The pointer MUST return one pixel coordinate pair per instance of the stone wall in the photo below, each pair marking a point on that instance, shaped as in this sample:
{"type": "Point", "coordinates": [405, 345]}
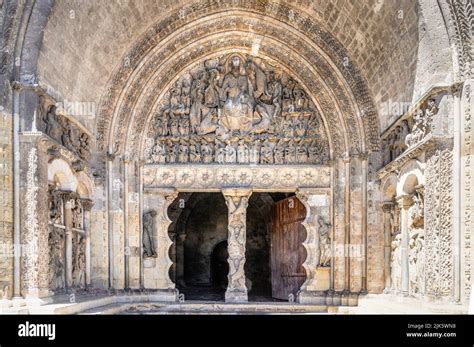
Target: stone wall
{"type": "Point", "coordinates": [379, 36]}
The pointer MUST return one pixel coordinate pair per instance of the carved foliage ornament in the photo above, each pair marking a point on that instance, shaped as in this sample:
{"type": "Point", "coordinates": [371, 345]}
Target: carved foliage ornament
{"type": "Point", "coordinates": [236, 109]}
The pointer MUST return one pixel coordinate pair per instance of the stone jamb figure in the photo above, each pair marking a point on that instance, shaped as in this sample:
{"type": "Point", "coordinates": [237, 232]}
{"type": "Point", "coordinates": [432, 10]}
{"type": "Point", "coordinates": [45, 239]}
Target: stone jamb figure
{"type": "Point", "coordinates": [149, 250]}
{"type": "Point", "coordinates": [324, 242]}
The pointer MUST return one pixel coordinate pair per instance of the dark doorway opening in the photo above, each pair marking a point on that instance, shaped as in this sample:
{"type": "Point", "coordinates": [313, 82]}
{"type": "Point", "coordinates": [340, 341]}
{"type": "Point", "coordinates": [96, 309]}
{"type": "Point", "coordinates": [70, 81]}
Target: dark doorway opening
{"type": "Point", "coordinates": [219, 265]}
{"type": "Point", "coordinates": [203, 258]}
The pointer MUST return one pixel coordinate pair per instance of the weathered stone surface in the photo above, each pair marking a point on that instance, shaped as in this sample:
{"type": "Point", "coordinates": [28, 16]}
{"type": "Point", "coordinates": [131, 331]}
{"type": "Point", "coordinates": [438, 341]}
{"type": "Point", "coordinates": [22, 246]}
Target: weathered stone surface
{"type": "Point", "coordinates": [363, 109]}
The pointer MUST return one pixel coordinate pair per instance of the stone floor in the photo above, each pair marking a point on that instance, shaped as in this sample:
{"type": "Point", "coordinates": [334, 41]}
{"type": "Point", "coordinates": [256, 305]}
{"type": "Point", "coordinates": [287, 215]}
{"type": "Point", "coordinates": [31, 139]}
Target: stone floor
{"type": "Point", "coordinates": [217, 294]}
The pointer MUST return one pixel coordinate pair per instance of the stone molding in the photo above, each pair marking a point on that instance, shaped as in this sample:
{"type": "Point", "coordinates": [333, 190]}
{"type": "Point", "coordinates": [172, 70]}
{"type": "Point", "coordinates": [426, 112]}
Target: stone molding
{"type": "Point", "coordinates": [206, 177]}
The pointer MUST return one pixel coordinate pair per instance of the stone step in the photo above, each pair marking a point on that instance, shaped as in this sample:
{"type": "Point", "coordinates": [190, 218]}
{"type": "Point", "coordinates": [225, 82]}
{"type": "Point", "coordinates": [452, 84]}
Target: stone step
{"type": "Point", "coordinates": [207, 308]}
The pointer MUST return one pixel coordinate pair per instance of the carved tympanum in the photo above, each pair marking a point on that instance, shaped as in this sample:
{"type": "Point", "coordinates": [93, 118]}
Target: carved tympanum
{"type": "Point", "coordinates": [237, 110]}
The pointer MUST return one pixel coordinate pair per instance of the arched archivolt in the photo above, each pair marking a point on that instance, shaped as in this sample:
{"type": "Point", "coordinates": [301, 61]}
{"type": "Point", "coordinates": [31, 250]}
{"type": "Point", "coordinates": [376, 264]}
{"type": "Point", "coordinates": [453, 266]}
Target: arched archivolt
{"type": "Point", "coordinates": [60, 172]}
{"type": "Point", "coordinates": [85, 187]}
{"type": "Point", "coordinates": [389, 187]}
{"type": "Point", "coordinates": [321, 62]}
{"type": "Point", "coordinates": [411, 175]}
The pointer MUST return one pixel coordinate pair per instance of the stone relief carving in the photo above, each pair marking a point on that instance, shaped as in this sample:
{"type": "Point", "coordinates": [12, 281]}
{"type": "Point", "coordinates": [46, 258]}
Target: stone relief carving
{"type": "Point", "coordinates": [55, 205]}
{"type": "Point", "coordinates": [396, 262]}
{"type": "Point", "coordinates": [236, 110]}
{"type": "Point", "coordinates": [409, 132]}
{"type": "Point", "coordinates": [202, 177]}
{"type": "Point", "coordinates": [56, 258]}
{"type": "Point", "coordinates": [416, 261]}
{"type": "Point", "coordinates": [394, 218]}
{"type": "Point", "coordinates": [237, 210]}
{"type": "Point", "coordinates": [77, 212]}
{"type": "Point", "coordinates": [64, 132]}
{"type": "Point", "coordinates": [149, 249]}
{"type": "Point", "coordinates": [78, 259]}
{"type": "Point", "coordinates": [56, 239]}
{"type": "Point", "coordinates": [324, 229]}
{"type": "Point", "coordinates": [31, 234]}
{"type": "Point", "coordinates": [438, 223]}
{"type": "Point", "coordinates": [417, 210]}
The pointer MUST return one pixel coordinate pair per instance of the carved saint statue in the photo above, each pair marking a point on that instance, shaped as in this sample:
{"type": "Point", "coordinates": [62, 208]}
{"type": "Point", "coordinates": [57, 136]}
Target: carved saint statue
{"type": "Point", "coordinates": [415, 261]}
{"type": "Point", "coordinates": [324, 242]}
{"type": "Point", "coordinates": [396, 262]}
{"type": "Point", "coordinates": [55, 204]}
{"type": "Point", "coordinates": [56, 258]}
{"type": "Point", "coordinates": [79, 261]}
{"type": "Point", "coordinates": [149, 249]}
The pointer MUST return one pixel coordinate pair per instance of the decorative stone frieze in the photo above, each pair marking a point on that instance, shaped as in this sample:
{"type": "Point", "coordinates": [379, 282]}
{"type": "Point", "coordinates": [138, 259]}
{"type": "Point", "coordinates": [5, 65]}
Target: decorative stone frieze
{"type": "Point", "coordinates": [194, 177]}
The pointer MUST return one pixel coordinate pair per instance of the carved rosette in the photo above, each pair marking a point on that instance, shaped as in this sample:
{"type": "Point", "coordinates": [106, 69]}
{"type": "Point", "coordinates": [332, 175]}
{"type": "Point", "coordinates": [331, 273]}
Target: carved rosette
{"type": "Point", "coordinates": [213, 176]}
{"type": "Point", "coordinates": [237, 202]}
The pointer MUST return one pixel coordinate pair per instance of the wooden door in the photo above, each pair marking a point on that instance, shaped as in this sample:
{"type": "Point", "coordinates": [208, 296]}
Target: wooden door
{"type": "Point", "coordinates": [287, 251]}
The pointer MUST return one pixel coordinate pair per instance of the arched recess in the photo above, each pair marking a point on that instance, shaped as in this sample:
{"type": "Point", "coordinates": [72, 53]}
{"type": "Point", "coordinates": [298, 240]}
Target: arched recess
{"type": "Point", "coordinates": [389, 187]}
{"type": "Point", "coordinates": [410, 176]}
{"type": "Point", "coordinates": [312, 57]}
{"type": "Point", "coordinates": [135, 87]}
{"type": "Point", "coordinates": [60, 172]}
{"type": "Point", "coordinates": [85, 187]}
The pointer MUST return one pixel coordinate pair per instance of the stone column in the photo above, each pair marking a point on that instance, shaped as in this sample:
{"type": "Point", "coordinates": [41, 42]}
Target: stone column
{"type": "Point", "coordinates": [387, 208]}
{"type": "Point", "coordinates": [68, 239]}
{"type": "Point", "coordinates": [317, 216]}
{"type": "Point", "coordinates": [180, 260]}
{"type": "Point", "coordinates": [404, 201]}
{"type": "Point", "coordinates": [237, 202]}
{"type": "Point", "coordinates": [86, 207]}
{"type": "Point", "coordinates": [34, 212]}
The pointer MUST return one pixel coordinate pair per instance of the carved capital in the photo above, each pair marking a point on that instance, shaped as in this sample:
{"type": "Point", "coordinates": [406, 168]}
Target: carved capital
{"type": "Point", "coordinates": [362, 156]}
{"type": "Point", "coordinates": [404, 201]}
{"type": "Point", "coordinates": [53, 153]}
{"type": "Point", "coordinates": [69, 197]}
{"type": "Point", "coordinates": [387, 206]}
{"type": "Point", "coordinates": [171, 196]}
{"type": "Point", "coordinates": [111, 156]}
{"type": "Point", "coordinates": [127, 158]}
{"type": "Point", "coordinates": [87, 204]}
{"type": "Point", "coordinates": [78, 165]}
{"type": "Point", "coordinates": [346, 158]}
